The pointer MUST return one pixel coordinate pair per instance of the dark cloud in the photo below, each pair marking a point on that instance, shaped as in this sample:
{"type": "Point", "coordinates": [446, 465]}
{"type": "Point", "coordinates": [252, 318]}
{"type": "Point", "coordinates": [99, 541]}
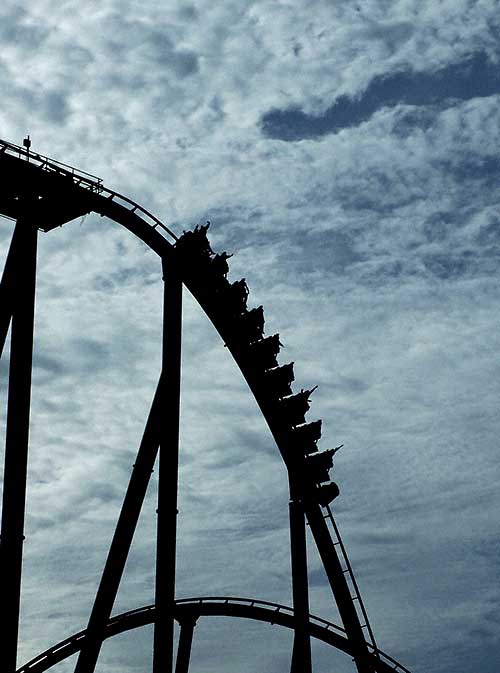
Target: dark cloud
{"type": "Point", "coordinates": [393, 34]}
{"type": "Point", "coordinates": [478, 76]}
{"type": "Point", "coordinates": [56, 107]}
{"type": "Point", "coordinates": [439, 225]}
{"type": "Point", "coordinates": [327, 251]}
{"type": "Point", "coordinates": [121, 277]}
{"type": "Point", "coordinates": [482, 168]}
{"type": "Point", "coordinates": [46, 367]}
{"type": "Point", "coordinates": [17, 27]}
{"type": "Point", "coordinates": [88, 355]}
{"type": "Point", "coordinates": [188, 12]}
{"type": "Point", "coordinates": [409, 119]}
{"type": "Point", "coordinates": [447, 267]}
{"type": "Point", "coordinates": [354, 386]}
{"type": "Point", "coordinates": [489, 232]}
{"type": "Point", "coordinates": [51, 105]}
{"type": "Point", "coordinates": [182, 61]}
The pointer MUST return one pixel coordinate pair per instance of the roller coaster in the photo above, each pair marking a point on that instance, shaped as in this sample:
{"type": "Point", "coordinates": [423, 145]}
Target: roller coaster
{"type": "Point", "coordinates": [41, 194]}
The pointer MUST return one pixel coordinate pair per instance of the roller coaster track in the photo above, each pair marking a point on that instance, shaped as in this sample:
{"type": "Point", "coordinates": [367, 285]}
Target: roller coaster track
{"type": "Point", "coordinates": [40, 193]}
{"type": "Point", "coordinates": [81, 179]}
{"type": "Point", "coordinates": [192, 609]}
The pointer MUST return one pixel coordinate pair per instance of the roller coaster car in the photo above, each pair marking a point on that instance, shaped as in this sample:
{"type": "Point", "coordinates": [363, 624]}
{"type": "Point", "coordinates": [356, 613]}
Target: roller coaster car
{"type": "Point", "coordinates": [293, 409]}
{"type": "Point", "coordinates": [303, 438]}
{"type": "Point", "coordinates": [231, 300]}
{"type": "Point", "coordinates": [327, 493]}
{"type": "Point", "coordinates": [265, 352]}
{"type": "Point", "coordinates": [238, 292]}
{"type": "Point", "coordinates": [251, 324]}
{"type": "Point", "coordinates": [219, 265]}
{"type": "Point", "coordinates": [278, 381]}
{"type": "Point", "coordinates": [195, 243]}
{"type": "Point", "coordinates": [319, 464]}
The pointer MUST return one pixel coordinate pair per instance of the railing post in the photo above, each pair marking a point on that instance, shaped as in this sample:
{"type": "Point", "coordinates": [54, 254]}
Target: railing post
{"type": "Point", "coordinates": [21, 284]}
{"type": "Point", "coordinates": [168, 473]}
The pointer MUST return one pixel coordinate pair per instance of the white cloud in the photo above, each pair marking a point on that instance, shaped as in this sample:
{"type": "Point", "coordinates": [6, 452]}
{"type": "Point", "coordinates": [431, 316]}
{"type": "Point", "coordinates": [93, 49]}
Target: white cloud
{"type": "Point", "coordinates": [375, 254]}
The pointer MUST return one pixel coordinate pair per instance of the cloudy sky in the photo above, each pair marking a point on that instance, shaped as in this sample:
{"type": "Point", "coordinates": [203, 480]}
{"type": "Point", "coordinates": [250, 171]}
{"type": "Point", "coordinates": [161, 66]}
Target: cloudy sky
{"type": "Point", "coordinates": [347, 154]}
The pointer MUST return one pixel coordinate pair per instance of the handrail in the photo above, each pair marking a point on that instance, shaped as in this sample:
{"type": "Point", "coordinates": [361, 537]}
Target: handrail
{"type": "Point", "coordinates": [137, 207]}
{"type": "Point", "coordinates": [235, 600]}
{"type": "Point", "coordinates": [46, 161]}
{"type": "Point", "coordinates": [83, 179]}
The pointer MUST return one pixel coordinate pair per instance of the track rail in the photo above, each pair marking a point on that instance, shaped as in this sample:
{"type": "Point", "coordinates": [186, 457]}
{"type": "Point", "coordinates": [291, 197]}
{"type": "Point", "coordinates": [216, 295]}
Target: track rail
{"type": "Point", "coordinates": [210, 606]}
{"type": "Point", "coordinates": [83, 180]}
{"type": "Point", "coordinates": [210, 290]}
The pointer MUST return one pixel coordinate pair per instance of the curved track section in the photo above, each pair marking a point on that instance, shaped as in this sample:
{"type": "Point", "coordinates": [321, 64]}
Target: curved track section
{"type": "Point", "coordinates": [52, 194]}
{"type": "Point", "coordinates": [210, 606]}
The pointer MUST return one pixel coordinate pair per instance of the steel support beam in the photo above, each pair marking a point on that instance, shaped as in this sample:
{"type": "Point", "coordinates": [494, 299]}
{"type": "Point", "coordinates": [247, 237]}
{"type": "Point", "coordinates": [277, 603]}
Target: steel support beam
{"type": "Point", "coordinates": [340, 589]}
{"type": "Point", "coordinates": [185, 645]}
{"type": "Point", "coordinates": [168, 474]}
{"type": "Point", "coordinates": [21, 288]}
{"type": "Point", "coordinates": [301, 653]}
{"type": "Point", "coordinates": [7, 284]}
{"type": "Point", "coordinates": [124, 532]}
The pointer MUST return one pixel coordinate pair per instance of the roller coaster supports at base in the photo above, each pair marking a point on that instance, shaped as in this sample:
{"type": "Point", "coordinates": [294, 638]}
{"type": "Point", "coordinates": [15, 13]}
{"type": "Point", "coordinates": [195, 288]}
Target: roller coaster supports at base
{"type": "Point", "coordinates": [122, 538]}
{"type": "Point", "coordinates": [364, 661]}
{"type": "Point", "coordinates": [301, 653]}
{"type": "Point", "coordinates": [185, 643]}
{"type": "Point", "coordinates": [163, 639]}
{"type": "Point", "coordinates": [20, 278]}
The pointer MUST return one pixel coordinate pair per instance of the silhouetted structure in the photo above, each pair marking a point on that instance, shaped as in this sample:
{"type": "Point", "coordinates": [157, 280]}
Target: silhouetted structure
{"type": "Point", "coordinates": [41, 194]}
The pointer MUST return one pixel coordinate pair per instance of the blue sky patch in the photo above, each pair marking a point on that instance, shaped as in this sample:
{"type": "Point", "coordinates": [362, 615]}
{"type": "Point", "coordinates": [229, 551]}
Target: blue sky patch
{"type": "Point", "coordinates": [477, 77]}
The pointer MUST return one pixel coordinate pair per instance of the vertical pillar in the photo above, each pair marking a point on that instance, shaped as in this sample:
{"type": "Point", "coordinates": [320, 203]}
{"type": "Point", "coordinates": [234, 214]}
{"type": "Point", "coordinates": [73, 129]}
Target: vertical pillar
{"type": "Point", "coordinates": [301, 653]}
{"type": "Point", "coordinates": [185, 644]}
{"type": "Point", "coordinates": [17, 435]}
{"type": "Point", "coordinates": [168, 473]}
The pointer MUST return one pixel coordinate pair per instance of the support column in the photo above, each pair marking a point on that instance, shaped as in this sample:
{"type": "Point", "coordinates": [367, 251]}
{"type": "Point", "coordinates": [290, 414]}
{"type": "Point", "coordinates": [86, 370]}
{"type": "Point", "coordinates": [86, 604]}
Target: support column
{"type": "Point", "coordinates": [365, 662]}
{"type": "Point", "coordinates": [301, 654]}
{"type": "Point", "coordinates": [168, 474]}
{"type": "Point", "coordinates": [122, 538]}
{"type": "Point", "coordinates": [23, 261]}
{"type": "Point", "coordinates": [185, 644]}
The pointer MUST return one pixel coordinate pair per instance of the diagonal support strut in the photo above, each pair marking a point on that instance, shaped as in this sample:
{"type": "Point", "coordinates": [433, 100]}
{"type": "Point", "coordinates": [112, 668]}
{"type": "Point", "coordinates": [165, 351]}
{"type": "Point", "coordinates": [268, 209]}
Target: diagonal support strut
{"type": "Point", "coordinates": [162, 430]}
{"type": "Point", "coordinates": [363, 660]}
{"type": "Point", "coordinates": [124, 532]}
